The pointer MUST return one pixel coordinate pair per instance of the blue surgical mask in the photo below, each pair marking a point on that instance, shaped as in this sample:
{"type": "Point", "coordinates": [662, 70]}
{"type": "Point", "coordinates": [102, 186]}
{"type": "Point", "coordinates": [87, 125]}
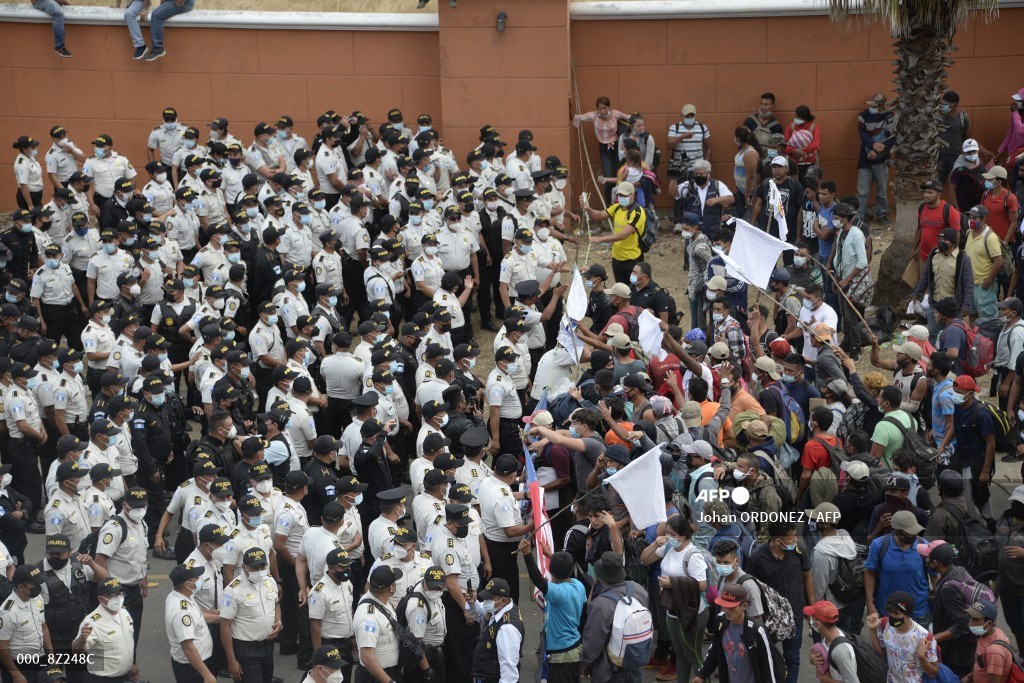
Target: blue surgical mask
{"type": "Point", "coordinates": [525, 248]}
{"type": "Point", "coordinates": [788, 379]}
{"type": "Point", "coordinates": [444, 420]}
{"type": "Point", "coordinates": [114, 440]}
{"type": "Point", "coordinates": [82, 232]}
{"type": "Point", "coordinates": [106, 319]}
{"type": "Point", "coordinates": [977, 630]}
{"type": "Point", "coordinates": [415, 220]}
{"type": "Point", "coordinates": [589, 284]}
{"type": "Point", "coordinates": [808, 304]}
{"type": "Point", "coordinates": [611, 470]}
{"type": "Point", "coordinates": [282, 135]}
{"type": "Point", "coordinates": [484, 165]}
{"type": "Point", "coordinates": [162, 357]}
{"type": "Point", "coordinates": [234, 257]}
{"type": "Point", "coordinates": [129, 241]}
{"type": "Point", "coordinates": [633, 279]}
{"type": "Point", "coordinates": [358, 499]}
{"type": "Point", "coordinates": [512, 368]}
{"type": "Point", "coordinates": [991, 184]}
{"type": "Point", "coordinates": [272, 319]}
{"type": "Point", "coordinates": [957, 399]}
{"type": "Point", "coordinates": [799, 261]}
{"type": "Point", "coordinates": [188, 144]}
{"type": "Point", "coordinates": [488, 606]}
{"type": "Point", "coordinates": [100, 152]}
{"type": "Point", "coordinates": [320, 205]}
{"type": "Point", "coordinates": [332, 301]}
{"type": "Point", "coordinates": [110, 248]}
{"type": "Point", "coordinates": [25, 227]}
{"type": "Point", "coordinates": [672, 543]}
{"type": "Point", "coordinates": [428, 204]}
{"type": "Point", "coordinates": [189, 282]}
{"type": "Point", "coordinates": [305, 218]}
{"type": "Point", "coordinates": [573, 433]}
{"type": "Point", "coordinates": [724, 569]}
{"type": "Point", "coordinates": [170, 125]}
{"type": "Point", "coordinates": [147, 218]}
{"type": "Point", "coordinates": [689, 120]}
{"type": "Point", "coordinates": [33, 382]}
{"type": "Point", "coordinates": [301, 287]}
{"type": "Point", "coordinates": [718, 317]}
{"type": "Point", "coordinates": [624, 201]}
{"type": "Point", "coordinates": [158, 399]}
{"type": "Point", "coordinates": [256, 520]}
{"type": "Point", "coordinates": [389, 389]}
{"type": "Point", "coordinates": [11, 299]}
{"type": "Point", "coordinates": [53, 263]}
{"type": "Point", "coordinates": [945, 108]}
{"type": "Point", "coordinates": [252, 212]}
{"type": "Point", "coordinates": [790, 547]}
{"type": "Point", "coordinates": [229, 335]}
{"type": "Point", "coordinates": [244, 373]}
{"type": "Point", "coordinates": [472, 363]}
{"type": "Point", "coordinates": [79, 367]}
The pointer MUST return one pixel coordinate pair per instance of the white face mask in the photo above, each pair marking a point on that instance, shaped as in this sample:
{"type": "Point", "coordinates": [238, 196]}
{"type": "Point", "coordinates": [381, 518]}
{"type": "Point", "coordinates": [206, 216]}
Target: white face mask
{"type": "Point", "coordinates": [336, 676]}
{"type": "Point", "coordinates": [265, 486]}
{"type": "Point", "coordinates": [115, 604]}
{"type": "Point", "coordinates": [160, 177]}
{"type": "Point", "coordinates": [560, 184]}
{"type": "Point", "coordinates": [223, 505]}
{"type": "Point", "coordinates": [137, 514]}
{"type": "Point", "coordinates": [257, 576]}
{"type": "Point", "coordinates": [232, 433]}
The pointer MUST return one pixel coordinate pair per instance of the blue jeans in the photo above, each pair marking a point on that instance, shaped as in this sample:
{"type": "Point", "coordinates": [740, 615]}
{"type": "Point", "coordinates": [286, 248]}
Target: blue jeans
{"type": "Point", "coordinates": [157, 17]}
{"type": "Point", "coordinates": [57, 15]}
{"type": "Point", "coordinates": [984, 304]}
{"type": "Point", "coordinates": [791, 652]}
{"type": "Point", "coordinates": [879, 174]}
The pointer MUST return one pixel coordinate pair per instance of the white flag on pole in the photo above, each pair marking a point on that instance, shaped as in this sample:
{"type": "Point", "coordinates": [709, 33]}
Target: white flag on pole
{"type": "Point", "coordinates": [778, 208]}
{"type": "Point", "coordinates": [576, 299]}
{"type": "Point", "coordinates": [753, 254]}
{"type": "Point", "coordinates": [634, 484]}
{"type": "Point", "coordinates": [650, 335]}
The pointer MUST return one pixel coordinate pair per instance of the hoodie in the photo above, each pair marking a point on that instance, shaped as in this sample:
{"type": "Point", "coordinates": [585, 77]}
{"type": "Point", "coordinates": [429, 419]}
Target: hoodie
{"type": "Point", "coordinates": [825, 563]}
{"type": "Point", "coordinates": [1014, 139]}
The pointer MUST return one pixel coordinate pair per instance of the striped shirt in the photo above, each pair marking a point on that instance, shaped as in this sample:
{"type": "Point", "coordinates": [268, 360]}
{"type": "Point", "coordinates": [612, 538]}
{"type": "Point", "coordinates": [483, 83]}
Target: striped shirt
{"type": "Point", "coordinates": [689, 148]}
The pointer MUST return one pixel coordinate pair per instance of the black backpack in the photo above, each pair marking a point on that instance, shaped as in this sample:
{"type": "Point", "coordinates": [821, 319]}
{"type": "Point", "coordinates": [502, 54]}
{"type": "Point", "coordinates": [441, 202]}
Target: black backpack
{"type": "Point", "coordinates": [977, 549]}
{"type": "Point", "coordinates": [404, 603]}
{"type": "Point", "coordinates": [964, 226]}
{"type": "Point", "coordinates": [925, 456]}
{"type": "Point", "coordinates": [91, 542]}
{"type": "Point", "coordinates": [870, 667]}
{"type": "Point", "coordinates": [849, 582]}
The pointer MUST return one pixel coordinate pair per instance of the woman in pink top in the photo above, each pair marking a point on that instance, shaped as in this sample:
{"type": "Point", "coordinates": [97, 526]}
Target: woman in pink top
{"type": "Point", "coordinates": [803, 140]}
{"type": "Point", "coordinates": [606, 124]}
{"type": "Point", "coordinates": [1013, 143]}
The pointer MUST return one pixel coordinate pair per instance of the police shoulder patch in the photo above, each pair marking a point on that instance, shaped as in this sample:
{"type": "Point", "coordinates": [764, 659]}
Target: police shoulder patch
{"type": "Point", "coordinates": [95, 617]}
{"type": "Point", "coordinates": [183, 604]}
{"type": "Point", "coordinates": [186, 620]}
{"type": "Point", "coordinates": [234, 583]}
{"type": "Point", "coordinates": [451, 542]}
{"type": "Point", "coordinates": [234, 533]}
{"type": "Point", "coordinates": [108, 537]}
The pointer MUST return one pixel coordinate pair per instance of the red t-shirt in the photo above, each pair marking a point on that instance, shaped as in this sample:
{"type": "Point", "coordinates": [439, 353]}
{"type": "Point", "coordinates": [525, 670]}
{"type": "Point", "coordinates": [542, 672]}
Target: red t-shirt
{"type": "Point", "coordinates": [999, 208]}
{"type": "Point", "coordinates": [815, 456]}
{"type": "Point", "coordinates": [932, 224]}
{"type": "Point", "coordinates": [657, 369]}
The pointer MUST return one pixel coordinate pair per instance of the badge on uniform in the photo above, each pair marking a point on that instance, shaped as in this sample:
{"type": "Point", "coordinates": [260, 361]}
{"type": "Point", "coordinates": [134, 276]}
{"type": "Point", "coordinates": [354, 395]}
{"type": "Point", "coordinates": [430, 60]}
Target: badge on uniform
{"type": "Point", "coordinates": [370, 628]}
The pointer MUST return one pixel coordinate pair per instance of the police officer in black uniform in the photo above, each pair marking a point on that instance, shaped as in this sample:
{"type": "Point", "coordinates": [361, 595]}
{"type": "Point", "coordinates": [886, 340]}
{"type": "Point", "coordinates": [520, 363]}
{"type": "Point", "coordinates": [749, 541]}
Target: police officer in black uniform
{"type": "Point", "coordinates": [26, 349]}
{"type": "Point", "coordinates": [174, 311]}
{"type": "Point", "coordinates": [237, 376]}
{"type": "Point", "coordinates": [322, 475]}
{"type": "Point", "coordinates": [18, 513]}
{"type": "Point", "coordinates": [472, 387]}
{"type": "Point", "coordinates": [112, 382]}
{"type": "Point", "coordinates": [488, 659]}
{"type": "Point", "coordinates": [24, 258]}
{"type": "Point", "coordinates": [177, 415]}
{"type": "Point", "coordinates": [266, 272]}
{"type": "Point", "coordinates": [371, 461]}
{"type": "Point", "coordinates": [152, 444]}
{"type": "Point", "coordinates": [67, 591]}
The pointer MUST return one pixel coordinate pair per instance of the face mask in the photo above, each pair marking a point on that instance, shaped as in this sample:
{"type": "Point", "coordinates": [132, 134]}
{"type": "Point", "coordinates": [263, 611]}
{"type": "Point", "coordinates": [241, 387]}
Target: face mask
{"type": "Point", "coordinates": [672, 543]}
{"type": "Point", "coordinates": [710, 296]}
{"type": "Point", "coordinates": [232, 433]}
{"type": "Point", "coordinates": [790, 547]}
{"type": "Point", "coordinates": [389, 389]}
{"type": "Point", "coordinates": [788, 379]}
{"type": "Point", "coordinates": [624, 201]}
{"type": "Point", "coordinates": [82, 232]}
{"type": "Point", "coordinates": [428, 204]}
{"type": "Point", "coordinates": [430, 251]}
{"type": "Point", "coordinates": [162, 357]}
{"type": "Point", "coordinates": [611, 470]}
{"type": "Point", "coordinates": [491, 206]}
{"type": "Point", "coordinates": [957, 399]}
{"type": "Point", "coordinates": [799, 261]}
{"type": "Point", "coordinates": [153, 255]}
{"type": "Point", "coordinates": [444, 420]}
{"type": "Point", "coordinates": [512, 368]}
{"type": "Point", "coordinates": [472, 363]}
{"type": "Point", "coordinates": [5, 481]}
{"type": "Point", "coordinates": [100, 152]}
{"type": "Point", "coordinates": [113, 441]}
{"type": "Point", "coordinates": [53, 263]}
{"type": "Point", "coordinates": [223, 505]}
{"type": "Point", "coordinates": [945, 108]}
{"type": "Point", "coordinates": [110, 248]}
{"type": "Point", "coordinates": [252, 212]}
{"type": "Point", "coordinates": [158, 399]}
{"type": "Point", "coordinates": [573, 432]}
{"type": "Point", "coordinates": [135, 290]}
{"type": "Point", "coordinates": [976, 630]}
{"type": "Point", "coordinates": [272, 319]}
{"type": "Point", "coordinates": [137, 514]}
{"type": "Point", "coordinates": [255, 521]}
{"type": "Point", "coordinates": [717, 317]}
{"type": "Point", "coordinates": [809, 305]}
{"type": "Point", "coordinates": [57, 562]}
{"type": "Point", "coordinates": [896, 623]}
{"type": "Point", "coordinates": [462, 532]}
{"type": "Point", "coordinates": [688, 121]}
{"type": "Point", "coordinates": [739, 476]}
{"type": "Point", "coordinates": [798, 122]}
{"type": "Point", "coordinates": [991, 184]}
{"type": "Point", "coordinates": [971, 158]}
{"type": "Point", "coordinates": [543, 234]}
{"type": "Point", "coordinates": [258, 576]}
{"type": "Point", "coordinates": [115, 604]}
{"type": "Point", "coordinates": [129, 241]}
{"type": "Point", "coordinates": [33, 383]}
{"type": "Point", "coordinates": [358, 499]}
{"type": "Point", "coordinates": [106, 319]}
{"type": "Point", "coordinates": [633, 279]}
{"type": "Point", "coordinates": [189, 282]}
{"type": "Point", "coordinates": [724, 569]}
{"type": "Point", "coordinates": [218, 304]}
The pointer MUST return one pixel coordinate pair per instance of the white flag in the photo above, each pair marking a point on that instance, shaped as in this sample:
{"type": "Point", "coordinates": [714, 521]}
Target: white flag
{"type": "Point", "coordinates": [650, 335]}
{"type": "Point", "coordinates": [576, 299]}
{"type": "Point", "coordinates": [635, 483]}
{"type": "Point", "coordinates": [753, 254]}
{"type": "Point", "coordinates": [569, 340]}
{"type": "Point", "coordinates": [778, 208]}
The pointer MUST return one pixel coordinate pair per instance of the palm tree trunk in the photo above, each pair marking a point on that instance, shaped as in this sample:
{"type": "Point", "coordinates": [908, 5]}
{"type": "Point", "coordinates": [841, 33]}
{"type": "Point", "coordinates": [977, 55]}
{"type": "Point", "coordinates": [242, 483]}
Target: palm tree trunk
{"type": "Point", "coordinates": [922, 57]}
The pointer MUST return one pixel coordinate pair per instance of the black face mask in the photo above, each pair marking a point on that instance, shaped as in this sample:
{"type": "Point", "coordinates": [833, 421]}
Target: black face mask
{"type": "Point", "coordinates": [896, 623]}
{"type": "Point", "coordinates": [35, 592]}
{"type": "Point", "coordinates": [701, 180]}
{"type": "Point", "coordinates": [342, 575]}
{"type": "Point", "coordinates": [1017, 509]}
{"type": "Point", "coordinates": [58, 562]}
{"type": "Point", "coordinates": [462, 532]}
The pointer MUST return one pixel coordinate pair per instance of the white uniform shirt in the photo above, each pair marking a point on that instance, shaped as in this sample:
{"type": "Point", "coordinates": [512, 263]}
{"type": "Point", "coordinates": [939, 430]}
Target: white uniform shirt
{"type": "Point", "coordinates": [331, 603]}
{"type": "Point", "coordinates": [250, 606]}
{"type": "Point", "coordinates": [498, 510]}
{"type": "Point", "coordinates": [373, 630]}
{"type": "Point", "coordinates": [183, 620]}
{"type": "Point", "coordinates": [112, 642]}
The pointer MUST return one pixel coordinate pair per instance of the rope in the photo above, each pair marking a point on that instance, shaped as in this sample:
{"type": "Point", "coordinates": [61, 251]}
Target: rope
{"type": "Point", "coordinates": [585, 149]}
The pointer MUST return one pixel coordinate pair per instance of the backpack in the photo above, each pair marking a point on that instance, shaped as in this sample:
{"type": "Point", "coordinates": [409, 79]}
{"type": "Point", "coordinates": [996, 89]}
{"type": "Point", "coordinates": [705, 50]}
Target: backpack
{"type": "Point", "coordinates": [650, 234]}
{"type": "Point", "coordinates": [635, 569]}
{"type": "Point", "coordinates": [944, 675]}
{"type": "Point", "coordinates": [1005, 252]}
{"type": "Point", "coordinates": [632, 321]}
{"type": "Point", "coordinates": [870, 667]}
{"type": "Point", "coordinates": [1017, 668]}
{"type": "Point", "coordinates": [673, 308]}
{"type": "Point", "coordinates": [631, 640]}
{"type": "Point", "coordinates": [783, 481]}
{"type": "Point", "coordinates": [980, 351]}
{"type": "Point", "coordinates": [925, 456]}
{"type": "Point", "coordinates": [848, 585]}
{"type": "Point", "coordinates": [836, 455]}
{"type": "Point", "coordinates": [403, 604]}
{"type": "Point", "coordinates": [964, 226]}
{"type": "Point", "coordinates": [883, 548]}
{"type": "Point", "coordinates": [792, 414]}
{"type": "Point", "coordinates": [977, 549]}
{"type": "Point", "coordinates": [91, 542]}
{"type": "Point", "coordinates": [776, 611]}
{"type": "Point", "coordinates": [971, 590]}
{"type": "Point", "coordinates": [1006, 438]}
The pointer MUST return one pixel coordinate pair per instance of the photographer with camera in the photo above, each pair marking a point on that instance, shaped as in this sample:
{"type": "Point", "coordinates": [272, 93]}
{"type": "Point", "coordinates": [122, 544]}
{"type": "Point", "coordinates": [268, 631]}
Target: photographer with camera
{"type": "Point", "coordinates": [690, 141]}
{"type": "Point", "coordinates": [702, 195]}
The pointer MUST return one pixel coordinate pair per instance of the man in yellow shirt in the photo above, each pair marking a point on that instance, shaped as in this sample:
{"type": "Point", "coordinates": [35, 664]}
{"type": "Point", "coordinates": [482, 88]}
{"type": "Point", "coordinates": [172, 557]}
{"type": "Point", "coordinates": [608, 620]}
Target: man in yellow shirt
{"type": "Point", "coordinates": [984, 249]}
{"type": "Point", "coordinates": [629, 221]}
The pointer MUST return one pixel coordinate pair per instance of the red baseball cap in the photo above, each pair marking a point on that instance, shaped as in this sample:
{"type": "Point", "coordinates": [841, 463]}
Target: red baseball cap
{"type": "Point", "coordinates": [824, 611]}
{"type": "Point", "coordinates": [780, 347]}
{"type": "Point", "coordinates": [965, 383]}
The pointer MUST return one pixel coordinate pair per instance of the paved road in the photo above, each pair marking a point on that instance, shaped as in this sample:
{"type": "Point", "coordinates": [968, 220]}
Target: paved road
{"type": "Point", "coordinates": [154, 658]}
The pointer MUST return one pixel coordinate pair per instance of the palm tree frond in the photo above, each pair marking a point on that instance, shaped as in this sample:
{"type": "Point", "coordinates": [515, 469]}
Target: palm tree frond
{"type": "Point", "coordinates": [904, 16]}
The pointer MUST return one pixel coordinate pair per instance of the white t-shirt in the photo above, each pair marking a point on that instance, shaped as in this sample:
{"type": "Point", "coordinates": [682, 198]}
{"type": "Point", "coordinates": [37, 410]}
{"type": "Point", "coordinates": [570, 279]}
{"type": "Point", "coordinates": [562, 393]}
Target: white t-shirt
{"type": "Point", "coordinates": [824, 314]}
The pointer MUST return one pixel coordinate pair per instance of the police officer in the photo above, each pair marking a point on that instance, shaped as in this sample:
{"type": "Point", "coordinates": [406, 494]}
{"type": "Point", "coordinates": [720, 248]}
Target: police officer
{"type": "Point", "coordinates": [27, 435]}
{"type": "Point", "coordinates": [250, 618]}
{"type": "Point", "coordinates": [381, 532]}
{"type": "Point", "coordinates": [70, 406]}
{"type": "Point", "coordinates": [323, 481]}
{"type": "Point", "coordinates": [98, 342]}
{"type": "Point", "coordinates": [267, 348]}
{"type": "Point", "coordinates": [66, 513]}
{"type": "Point", "coordinates": [425, 614]}
{"type": "Point", "coordinates": [23, 629]}
{"type": "Point", "coordinates": [473, 470]}
{"type": "Point", "coordinates": [79, 246]}
{"type": "Point", "coordinates": [371, 461]}
{"type": "Point", "coordinates": [503, 399]}
{"type": "Point", "coordinates": [110, 634]}
{"type": "Point", "coordinates": [493, 657]}
{"type": "Point", "coordinates": [502, 520]}
{"type": "Point", "coordinates": [404, 557]}
{"type": "Point", "coordinates": [185, 623]}
{"type": "Point", "coordinates": [99, 505]}
{"type": "Point", "coordinates": [66, 592]}
{"type": "Point", "coordinates": [251, 533]}
{"type": "Point", "coordinates": [112, 383]}
{"type": "Point", "coordinates": [450, 551]}
{"type": "Point", "coordinates": [375, 633]}
{"type": "Point", "coordinates": [326, 664]}
{"type": "Point", "coordinates": [24, 250]}
{"type": "Point", "coordinates": [290, 524]}
{"type": "Point", "coordinates": [153, 445]}
{"type": "Point", "coordinates": [427, 272]}
{"type": "Point", "coordinates": [121, 550]}
{"type": "Point", "coordinates": [17, 510]}
{"type": "Point", "coordinates": [331, 603]}
{"type": "Point", "coordinates": [170, 315]}
{"type": "Point", "coordinates": [57, 299]}
{"type": "Point", "coordinates": [189, 503]}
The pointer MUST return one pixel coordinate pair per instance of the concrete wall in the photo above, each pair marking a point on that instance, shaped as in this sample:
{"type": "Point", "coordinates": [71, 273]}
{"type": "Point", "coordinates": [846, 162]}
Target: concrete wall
{"type": "Point", "coordinates": [466, 74]}
{"type": "Point", "coordinates": [723, 65]}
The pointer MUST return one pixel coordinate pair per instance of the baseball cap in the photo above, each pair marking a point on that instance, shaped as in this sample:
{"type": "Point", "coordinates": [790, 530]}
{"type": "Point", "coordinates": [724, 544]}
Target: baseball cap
{"type": "Point", "coordinates": [824, 611]}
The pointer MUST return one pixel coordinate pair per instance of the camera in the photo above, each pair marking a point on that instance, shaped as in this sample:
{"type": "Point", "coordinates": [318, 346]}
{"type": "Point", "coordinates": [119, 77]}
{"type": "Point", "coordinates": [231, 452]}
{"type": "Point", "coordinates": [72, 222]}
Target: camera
{"type": "Point", "coordinates": [680, 170]}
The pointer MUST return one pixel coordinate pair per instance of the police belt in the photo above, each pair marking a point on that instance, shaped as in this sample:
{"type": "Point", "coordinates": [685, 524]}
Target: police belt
{"type": "Point", "coordinates": [67, 305]}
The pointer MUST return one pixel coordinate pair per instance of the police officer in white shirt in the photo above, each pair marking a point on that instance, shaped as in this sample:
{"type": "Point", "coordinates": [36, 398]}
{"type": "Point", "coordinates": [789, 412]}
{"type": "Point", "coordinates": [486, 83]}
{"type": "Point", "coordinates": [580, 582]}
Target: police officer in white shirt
{"type": "Point", "coordinates": [331, 603]}
{"type": "Point", "coordinates": [250, 618]}
{"type": "Point", "coordinates": [62, 158]}
{"type": "Point", "coordinates": [122, 548]}
{"type": "Point", "coordinates": [106, 167]}
{"type": "Point", "coordinates": [110, 635]}
{"type": "Point", "coordinates": [185, 621]}
{"type": "Point", "coordinates": [375, 635]}
{"type": "Point", "coordinates": [23, 630]}
{"type": "Point", "coordinates": [502, 519]}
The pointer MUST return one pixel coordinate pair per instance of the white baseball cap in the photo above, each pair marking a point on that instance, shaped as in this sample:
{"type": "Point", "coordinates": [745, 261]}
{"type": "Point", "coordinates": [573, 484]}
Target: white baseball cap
{"type": "Point", "coordinates": [780, 161]}
{"type": "Point", "coordinates": [970, 145]}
